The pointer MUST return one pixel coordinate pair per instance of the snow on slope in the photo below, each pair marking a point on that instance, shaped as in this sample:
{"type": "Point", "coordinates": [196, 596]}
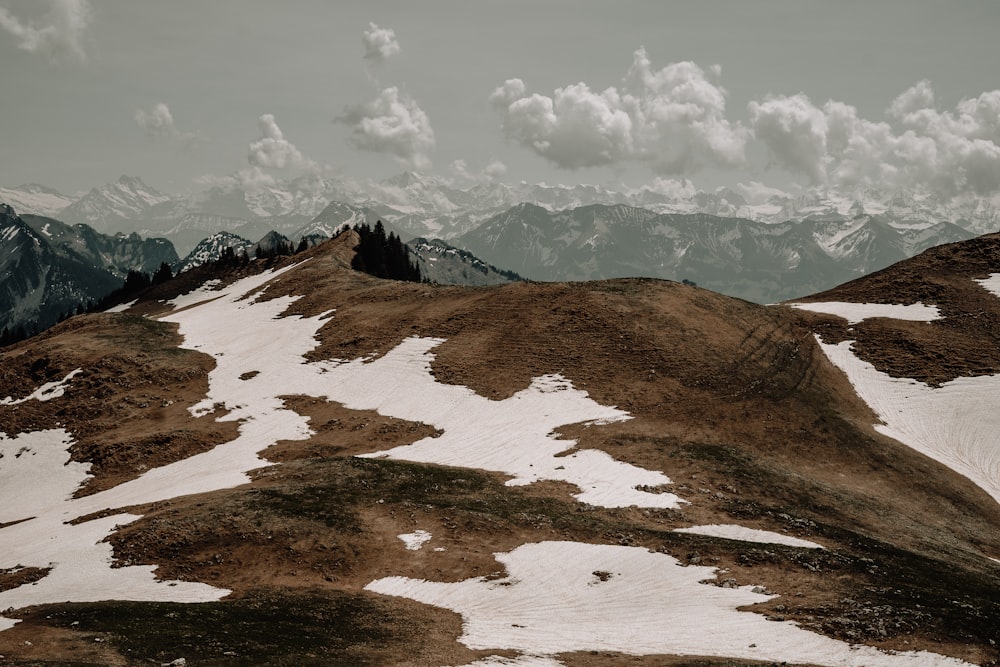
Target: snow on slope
{"type": "Point", "coordinates": [561, 597]}
{"type": "Point", "coordinates": [857, 312]}
{"type": "Point", "coordinates": [956, 424]}
{"type": "Point", "coordinates": [743, 534]}
{"type": "Point", "coordinates": [991, 284]}
{"type": "Point", "coordinates": [415, 541]}
{"type": "Point", "coordinates": [46, 392]}
{"type": "Point", "coordinates": [243, 334]}
{"type": "Point", "coordinates": [37, 473]}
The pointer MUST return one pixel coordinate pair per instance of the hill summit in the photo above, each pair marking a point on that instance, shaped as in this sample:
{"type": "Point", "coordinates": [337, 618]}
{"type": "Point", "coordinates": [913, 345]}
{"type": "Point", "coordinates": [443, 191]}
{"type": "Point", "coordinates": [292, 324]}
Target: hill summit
{"type": "Point", "coordinates": [289, 461]}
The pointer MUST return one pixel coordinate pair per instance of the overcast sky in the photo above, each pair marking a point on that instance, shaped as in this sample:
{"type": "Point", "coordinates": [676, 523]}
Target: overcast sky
{"type": "Point", "coordinates": [781, 92]}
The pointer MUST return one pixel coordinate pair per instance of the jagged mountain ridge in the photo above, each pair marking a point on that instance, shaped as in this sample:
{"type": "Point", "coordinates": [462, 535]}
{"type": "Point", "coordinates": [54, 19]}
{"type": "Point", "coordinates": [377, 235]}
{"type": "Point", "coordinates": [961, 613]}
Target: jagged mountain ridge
{"type": "Point", "coordinates": [50, 268]}
{"type": "Point", "coordinates": [737, 403]}
{"type": "Point", "coordinates": [429, 206]}
{"type": "Point", "coordinates": [118, 254]}
{"type": "Point", "coordinates": [41, 281]}
{"type": "Point", "coordinates": [211, 249]}
{"type": "Point", "coordinates": [763, 262]}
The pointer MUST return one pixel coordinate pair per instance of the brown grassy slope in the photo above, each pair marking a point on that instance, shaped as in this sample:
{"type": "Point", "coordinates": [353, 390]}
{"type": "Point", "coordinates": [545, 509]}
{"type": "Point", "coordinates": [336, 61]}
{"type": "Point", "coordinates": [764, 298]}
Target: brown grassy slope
{"type": "Point", "coordinates": [963, 343]}
{"type": "Point", "coordinates": [734, 401]}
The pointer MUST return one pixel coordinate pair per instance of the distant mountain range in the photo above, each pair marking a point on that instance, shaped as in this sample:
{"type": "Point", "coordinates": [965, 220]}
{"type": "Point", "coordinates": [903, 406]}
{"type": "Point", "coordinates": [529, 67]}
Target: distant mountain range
{"type": "Point", "coordinates": [762, 248]}
{"type": "Point", "coordinates": [419, 205]}
{"type": "Point", "coordinates": [753, 260]}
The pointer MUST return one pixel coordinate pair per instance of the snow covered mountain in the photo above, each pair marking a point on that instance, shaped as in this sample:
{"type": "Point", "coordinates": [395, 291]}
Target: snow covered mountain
{"type": "Point", "coordinates": [211, 249]}
{"type": "Point", "coordinates": [302, 464]}
{"type": "Point", "coordinates": [445, 264]}
{"type": "Point", "coordinates": [40, 280]}
{"type": "Point", "coordinates": [36, 199]}
{"type": "Point", "coordinates": [116, 207]}
{"type": "Point", "coordinates": [758, 261]}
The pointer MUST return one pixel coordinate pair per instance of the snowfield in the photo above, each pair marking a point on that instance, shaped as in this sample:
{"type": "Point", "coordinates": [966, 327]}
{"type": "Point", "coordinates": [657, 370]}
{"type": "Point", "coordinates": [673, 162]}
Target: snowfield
{"type": "Point", "coordinates": [244, 334]}
{"type": "Point", "coordinates": [743, 534]}
{"type": "Point", "coordinates": [556, 597]}
{"type": "Point", "coordinates": [858, 312]}
{"type": "Point", "coordinates": [561, 597]}
{"type": "Point", "coordinates": [956, 424]}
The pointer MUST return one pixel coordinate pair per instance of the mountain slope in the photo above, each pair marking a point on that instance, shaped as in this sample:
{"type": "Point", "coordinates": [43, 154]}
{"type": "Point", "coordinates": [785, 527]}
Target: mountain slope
{"type": "Point", "coordinates": [445, 264]}
{"type": "Point", "coordinates": [118, 254]}
{"type": "Point", "coordinates": [40, 281]}
{"type": "Point", "coordinates": [340, 468]}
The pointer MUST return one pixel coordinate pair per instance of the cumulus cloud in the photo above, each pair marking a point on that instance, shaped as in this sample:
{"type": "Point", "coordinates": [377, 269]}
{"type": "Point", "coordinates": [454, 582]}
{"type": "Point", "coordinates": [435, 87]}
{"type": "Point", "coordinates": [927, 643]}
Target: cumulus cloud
{"type": "Point", "coordinates": [59, 34]}
{"type": "Point", "coordinates": [250, 179]}
{"type": "Point", "coordinates": [946, 152]}
{"type": "Point", "coordinates": [672, 119]}
{"type": "Point", "coordinates": [392, 123]}
{"type": "Point", "coordinates": [273, 151]}
{"type": "Point", "coordinates": [158, 122]}
{"type": "Point", "coordinates": [795, 130]}
{"type": "Point", "coordinates": [380, 43]}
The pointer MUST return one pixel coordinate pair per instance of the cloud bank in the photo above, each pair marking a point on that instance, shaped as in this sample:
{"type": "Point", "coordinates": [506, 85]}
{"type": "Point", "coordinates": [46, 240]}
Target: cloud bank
{"type": "Point", "coordinates": [59, 35]}
{"type": "Point", "coordinates": [380, 43]}
{"type": "Point", "coordinates": [672, 119]}
{"type": "Point", "coordinates": [946, 152]}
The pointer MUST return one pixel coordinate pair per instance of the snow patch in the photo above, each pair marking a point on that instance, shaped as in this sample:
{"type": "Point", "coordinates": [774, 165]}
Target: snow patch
{"type": "Point", "coordinates": [956, 424]}
{"type": "Point", "coordinates": [36, 473]}
{"type": "Point", "coordinates": [46, 392]}
{"type": "Point", "coordinates": [121, 307]}
{"type": "Point", "coordinates": [991, 284]}
{"type": "Point", "coordinates": [415, 541]}
{"type": "Point", "coordinates": [561, 597]}
{"type": "Point", "coordinates": [743, 534]}
{"type": "Point", "coordinates": [858, 312]}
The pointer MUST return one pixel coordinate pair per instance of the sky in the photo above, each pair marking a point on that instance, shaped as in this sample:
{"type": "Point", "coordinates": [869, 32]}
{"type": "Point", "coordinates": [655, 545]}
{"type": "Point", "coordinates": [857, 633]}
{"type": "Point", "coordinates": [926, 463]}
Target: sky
{"type": "Point", "coordinates": [774, 93]}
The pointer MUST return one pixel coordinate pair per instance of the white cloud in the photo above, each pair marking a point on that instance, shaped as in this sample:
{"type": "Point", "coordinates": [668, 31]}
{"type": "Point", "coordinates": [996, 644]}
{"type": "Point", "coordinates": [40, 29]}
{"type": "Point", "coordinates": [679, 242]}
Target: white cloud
{"type": "Point", "coordinates": [495, 169]}
{"type": "Point", "coordinates": [673, 120]}
{"type": "Point", "coordinates": [380, 43]}
{"type": "Point", "coordinates": [795, 132]}
{"type": "Point", "coordinates": [945, 152]}
{"type": "Point", "coordinates": [755, 192]}
{"type": "Point", "coordinates": [392, 123]}
{"type": "Point", "coordinates": [273, 151]}
{"type": "Point", "coordinates": [59, 34]}
{"type": "Point", "coordinates": [491, 172]}
{"type": "Point", "coordinates": [918, 96]}
{"type": "Point", "coordinates": [159, 122]}
{"type": "Point", "coordinates": [250, 179]}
